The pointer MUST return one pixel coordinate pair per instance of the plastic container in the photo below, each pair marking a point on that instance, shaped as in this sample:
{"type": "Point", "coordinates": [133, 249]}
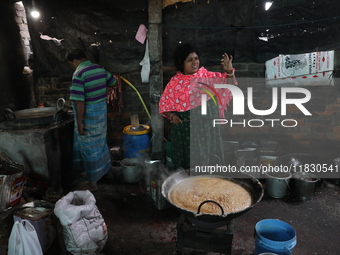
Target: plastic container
{"type": "Point", "coordinates": [304, 185]}
{"type": "Point", "coordinates": [136, 141]}
{"type": "Point", "coordinates": [12, 181]}
{"type": "Point", "coordinates": [277, 184]}
{"type": "Point", "coordinates": [154, 180]}
{"type": "Point", "coordinates": [274, 236]}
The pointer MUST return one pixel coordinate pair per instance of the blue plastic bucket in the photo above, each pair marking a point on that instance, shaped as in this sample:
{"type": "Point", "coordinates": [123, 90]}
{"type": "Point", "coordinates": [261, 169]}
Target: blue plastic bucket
{"type": "Point", "coordinates": [274, 236]}
{"type": "Point", "coordinates": [136, 143]}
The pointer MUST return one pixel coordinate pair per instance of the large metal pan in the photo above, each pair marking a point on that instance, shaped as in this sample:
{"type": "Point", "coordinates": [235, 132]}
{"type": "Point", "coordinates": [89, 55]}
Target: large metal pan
{"type": "Point", "coordinates": [36, 116]}
{"type": "Point", "coordinates": [254, 187]}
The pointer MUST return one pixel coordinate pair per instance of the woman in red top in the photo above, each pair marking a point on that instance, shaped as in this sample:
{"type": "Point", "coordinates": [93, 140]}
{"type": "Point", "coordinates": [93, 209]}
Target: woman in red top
{"type": "Point", "coordinates": [192, 134]}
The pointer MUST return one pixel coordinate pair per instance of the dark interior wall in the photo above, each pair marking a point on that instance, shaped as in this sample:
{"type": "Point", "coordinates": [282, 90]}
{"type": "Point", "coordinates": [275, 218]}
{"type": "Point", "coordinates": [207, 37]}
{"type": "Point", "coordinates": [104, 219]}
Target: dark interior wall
{"type": "Point", "coordinates": [15, 89]}
{"type": "Point", "coordinates": [213, 26]}
{"type": "Point", "coordinates": [105, 30]}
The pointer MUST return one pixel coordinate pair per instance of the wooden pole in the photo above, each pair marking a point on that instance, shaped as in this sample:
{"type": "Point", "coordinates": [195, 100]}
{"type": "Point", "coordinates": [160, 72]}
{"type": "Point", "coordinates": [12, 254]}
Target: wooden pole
{"type": "Point", "coordinates": [156, 75]}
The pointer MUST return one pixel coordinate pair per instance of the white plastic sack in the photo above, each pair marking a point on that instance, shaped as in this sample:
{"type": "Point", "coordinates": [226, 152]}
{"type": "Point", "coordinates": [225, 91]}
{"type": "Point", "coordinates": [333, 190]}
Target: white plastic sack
{"type": "Point", "coordinates": [85, 231]}
{"type": "Point", "coordinates": [24, 240]}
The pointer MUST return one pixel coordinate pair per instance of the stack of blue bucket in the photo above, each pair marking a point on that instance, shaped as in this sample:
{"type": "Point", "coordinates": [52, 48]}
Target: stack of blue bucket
{"type": "Point", "coordinates": [274, 236]}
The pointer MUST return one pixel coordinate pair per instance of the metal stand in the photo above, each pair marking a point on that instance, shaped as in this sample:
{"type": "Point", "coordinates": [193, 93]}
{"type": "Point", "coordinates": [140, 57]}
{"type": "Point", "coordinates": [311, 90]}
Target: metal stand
{"type": "Point", "coordinates": [207, 239]}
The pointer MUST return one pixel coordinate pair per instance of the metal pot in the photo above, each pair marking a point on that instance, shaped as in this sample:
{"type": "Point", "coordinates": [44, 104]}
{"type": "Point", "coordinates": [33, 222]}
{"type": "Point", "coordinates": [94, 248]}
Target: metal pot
{"type": "Point", "coordinates": [254, 187]}
{"type": "Point", "coordinates": [36, 116]}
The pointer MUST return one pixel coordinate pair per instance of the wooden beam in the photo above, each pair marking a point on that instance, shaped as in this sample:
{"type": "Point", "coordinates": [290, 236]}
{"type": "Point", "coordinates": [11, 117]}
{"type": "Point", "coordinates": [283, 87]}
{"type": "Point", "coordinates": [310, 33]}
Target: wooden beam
{"type": "Point", "coordinates": [156, 75]}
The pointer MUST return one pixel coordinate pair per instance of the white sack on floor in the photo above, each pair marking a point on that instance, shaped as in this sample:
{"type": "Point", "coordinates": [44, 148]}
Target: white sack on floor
{"type": "Point", "coordinates": [85, 231]}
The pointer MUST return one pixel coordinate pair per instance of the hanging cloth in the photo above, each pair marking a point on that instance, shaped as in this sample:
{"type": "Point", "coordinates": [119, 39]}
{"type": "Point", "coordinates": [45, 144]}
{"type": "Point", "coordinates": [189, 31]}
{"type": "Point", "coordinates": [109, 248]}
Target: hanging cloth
{"type": "Point", "coordinates": [145, 63]}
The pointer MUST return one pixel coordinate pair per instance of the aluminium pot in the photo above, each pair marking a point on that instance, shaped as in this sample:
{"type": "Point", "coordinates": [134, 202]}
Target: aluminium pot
{"type": "Point", "coordinates": [36, 116]}
{"type": "Point", "coordinates": [252, 185]}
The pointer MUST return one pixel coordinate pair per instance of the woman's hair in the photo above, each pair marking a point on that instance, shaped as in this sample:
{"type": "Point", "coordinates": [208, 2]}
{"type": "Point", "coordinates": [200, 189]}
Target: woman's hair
{"type": "Point", "coordinates": [181, 53]}
{"type": "Point", "coordinates": [76, 54]}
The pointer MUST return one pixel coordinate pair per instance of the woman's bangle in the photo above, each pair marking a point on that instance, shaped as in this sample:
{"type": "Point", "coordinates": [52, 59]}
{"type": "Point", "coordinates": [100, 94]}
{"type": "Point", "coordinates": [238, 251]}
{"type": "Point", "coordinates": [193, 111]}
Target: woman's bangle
{"type": "Point", "coordinates": [168, 117]}
{"type": "Point", "coordinates": [231, 74]}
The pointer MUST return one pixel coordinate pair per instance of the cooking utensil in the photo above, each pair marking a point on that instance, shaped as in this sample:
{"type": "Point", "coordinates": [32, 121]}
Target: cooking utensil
{"type": "Point", "coordinates": [36, 116]}
{"type": "Point", "coordinates": [251, 184]}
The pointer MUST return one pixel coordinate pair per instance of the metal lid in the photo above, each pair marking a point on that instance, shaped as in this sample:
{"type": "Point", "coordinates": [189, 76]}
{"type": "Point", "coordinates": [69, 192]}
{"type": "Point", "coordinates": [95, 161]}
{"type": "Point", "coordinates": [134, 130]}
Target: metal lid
{"type": "Point", "coordinates": [140, 130]}
{"type": "Point", "coordinates": [33, 213]}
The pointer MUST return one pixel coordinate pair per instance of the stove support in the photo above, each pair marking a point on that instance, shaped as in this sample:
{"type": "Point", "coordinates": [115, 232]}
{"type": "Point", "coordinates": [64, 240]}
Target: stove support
{"type": "Point", "coordinates": [191, 236]}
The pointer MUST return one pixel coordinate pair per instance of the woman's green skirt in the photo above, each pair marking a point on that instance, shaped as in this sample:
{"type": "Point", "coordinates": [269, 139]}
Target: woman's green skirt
{"type": "Point", "coordinates": [196, 142]}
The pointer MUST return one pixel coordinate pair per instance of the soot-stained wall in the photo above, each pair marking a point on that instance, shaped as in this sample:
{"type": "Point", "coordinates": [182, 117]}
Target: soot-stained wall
{"type": "Point", "coordinates": [14, 87]}
{"type": "Point", "coordinates": [106, 30]}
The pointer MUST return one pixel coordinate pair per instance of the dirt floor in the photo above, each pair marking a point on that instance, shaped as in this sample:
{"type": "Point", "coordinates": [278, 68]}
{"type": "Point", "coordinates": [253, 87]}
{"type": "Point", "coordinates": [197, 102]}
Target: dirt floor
{"type": "Point", "coordinates": [137, 226]}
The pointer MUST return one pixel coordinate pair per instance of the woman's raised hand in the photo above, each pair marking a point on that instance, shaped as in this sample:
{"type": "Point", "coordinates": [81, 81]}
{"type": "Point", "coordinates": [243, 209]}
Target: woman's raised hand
{"type": "Point", "coordinates": [227, 63]}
